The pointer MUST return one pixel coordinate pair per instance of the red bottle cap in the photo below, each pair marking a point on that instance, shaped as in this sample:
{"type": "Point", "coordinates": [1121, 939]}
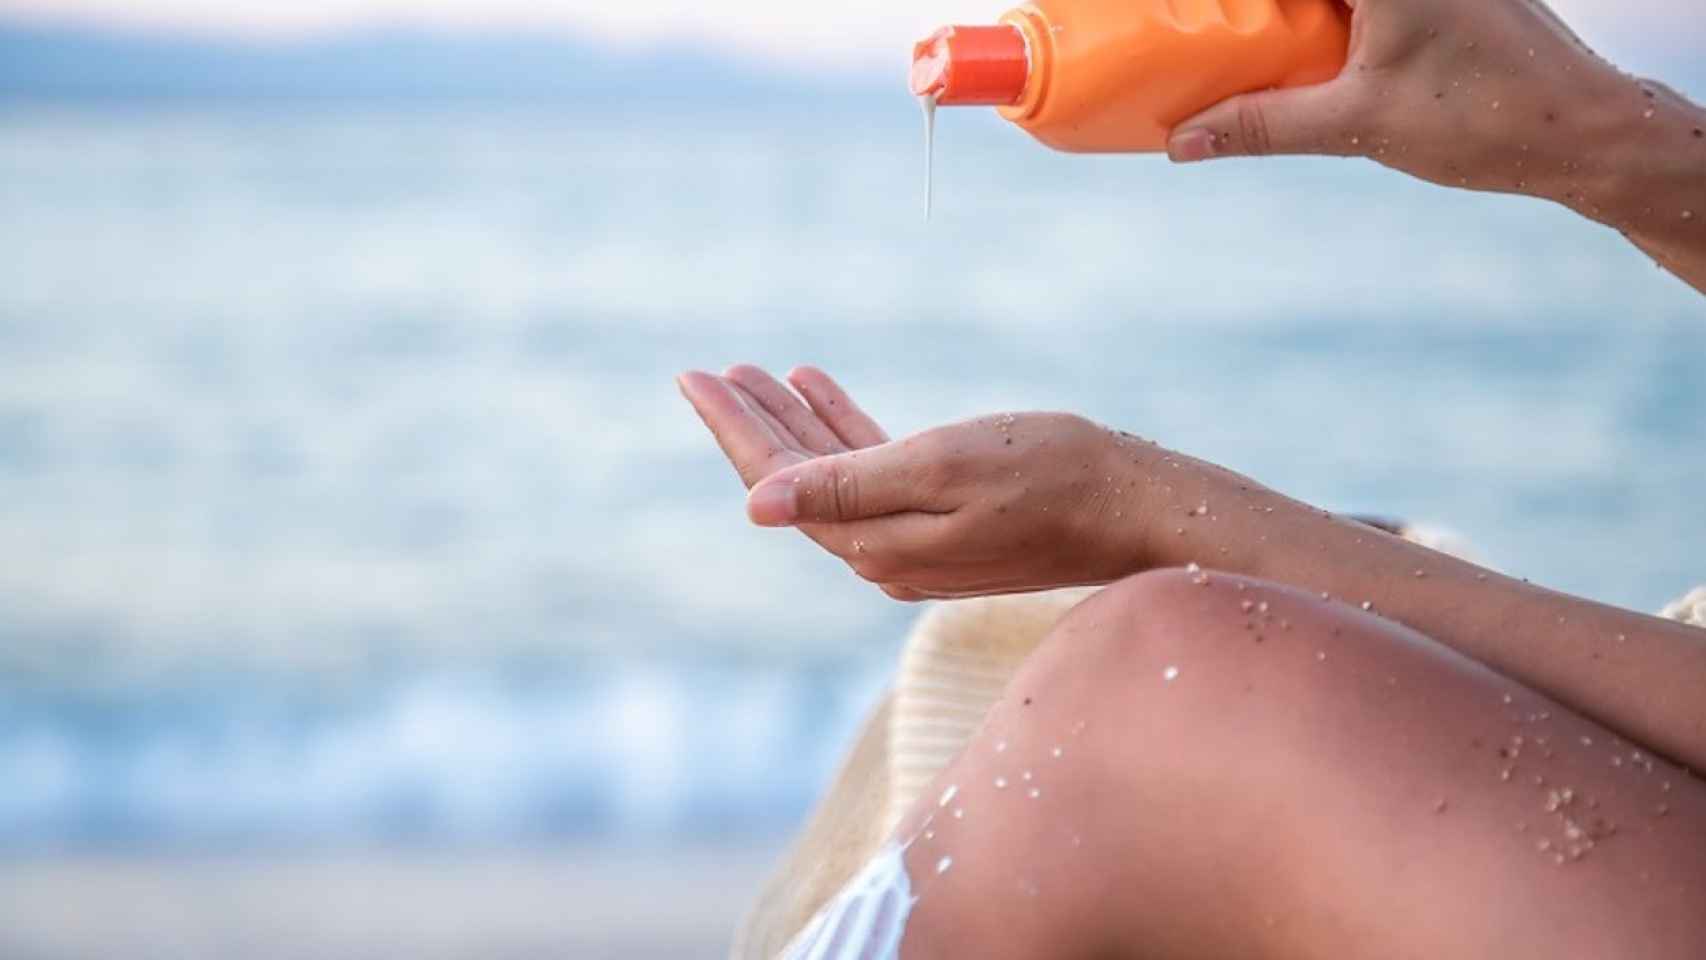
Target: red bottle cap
{"type": "Point", "coordinates": [971, 66]}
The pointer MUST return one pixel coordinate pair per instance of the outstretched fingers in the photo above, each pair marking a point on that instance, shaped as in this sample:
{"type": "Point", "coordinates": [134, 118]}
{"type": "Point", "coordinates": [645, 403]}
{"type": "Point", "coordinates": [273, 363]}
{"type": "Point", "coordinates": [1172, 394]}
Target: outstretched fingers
{"type": "Point", "coordinates": [753, 441]}
{"type": "Point", "coordinates": [800, 421]}
{"type": "Point", "coordinates": [878, 506]}
{"type": "Point", "coordinates": [836, 408]}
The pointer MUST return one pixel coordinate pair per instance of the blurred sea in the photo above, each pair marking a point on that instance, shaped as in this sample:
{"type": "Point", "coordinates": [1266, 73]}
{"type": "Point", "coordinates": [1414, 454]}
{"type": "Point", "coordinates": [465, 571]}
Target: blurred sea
{"type": "Point", "coordinates": [346, 499]}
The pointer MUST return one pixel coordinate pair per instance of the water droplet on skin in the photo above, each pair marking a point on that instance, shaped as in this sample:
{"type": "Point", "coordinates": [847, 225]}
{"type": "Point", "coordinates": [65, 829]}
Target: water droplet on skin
{"type": "Point", "coordinates": [1321, 655]}
{"type": "Point", "coordinates": [948, 795]}
{"type": "Point", "coordinates": [959, 814]}
{"type": "Point", "coordinates": [1057, 752]}
{"type": "Point", "coordinates": [1647, 114]}
{"type": "Point", "coordinates": [929, 834]}
{"type": "Point", "coordinates": [1000, 746]}
{"type": "Point", "coordinates": [1000, 783]}
{"type": "Point", "coordinates": [1170, 674]}
{"type": "Point", "coordinates": [1507, 698]}
{"type": "Point", "coordinates": [1035, 793]}
{"type": "Point", "coordinates": [943, 864]}
{"type": "Point", "coordinates": [1026, 776]}
{"type": "Point", "coordinates": [1368, 605]}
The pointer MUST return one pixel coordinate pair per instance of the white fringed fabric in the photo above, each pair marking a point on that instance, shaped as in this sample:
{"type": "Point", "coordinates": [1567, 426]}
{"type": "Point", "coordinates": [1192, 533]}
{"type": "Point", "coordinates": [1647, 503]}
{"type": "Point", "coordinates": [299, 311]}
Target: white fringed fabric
{"type": "Point", "coordinates": [1690, 609]}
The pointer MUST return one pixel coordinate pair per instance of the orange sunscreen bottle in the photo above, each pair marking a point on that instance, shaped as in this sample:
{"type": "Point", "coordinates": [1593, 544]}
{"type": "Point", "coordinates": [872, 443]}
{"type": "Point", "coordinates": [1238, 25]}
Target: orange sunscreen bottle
{"type": "Point", "coordinates": [1115, 76]}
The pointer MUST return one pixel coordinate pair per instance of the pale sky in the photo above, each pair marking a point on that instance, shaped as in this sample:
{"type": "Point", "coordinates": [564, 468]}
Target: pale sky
{"type": "Point", "coordinates": [804, 32]}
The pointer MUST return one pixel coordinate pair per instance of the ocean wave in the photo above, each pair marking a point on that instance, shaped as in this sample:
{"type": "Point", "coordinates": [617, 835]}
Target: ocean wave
{"type": "Point", "coordinates": [626, 752]}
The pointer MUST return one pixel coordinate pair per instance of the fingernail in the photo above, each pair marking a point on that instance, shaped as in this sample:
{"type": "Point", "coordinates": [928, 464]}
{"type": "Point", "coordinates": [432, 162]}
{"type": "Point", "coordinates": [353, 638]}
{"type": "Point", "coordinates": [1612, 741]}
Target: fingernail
{"type": "Point", "coordinates": [1191, 146]}
{"type": "Point", "coordinates": [687, 381]}
{"type": "Point", "coordinates": [772, 504]}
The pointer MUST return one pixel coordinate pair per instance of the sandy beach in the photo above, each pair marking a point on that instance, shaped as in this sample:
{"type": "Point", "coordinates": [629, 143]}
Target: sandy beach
{"type": "Point", "coordinates": [588, 905]}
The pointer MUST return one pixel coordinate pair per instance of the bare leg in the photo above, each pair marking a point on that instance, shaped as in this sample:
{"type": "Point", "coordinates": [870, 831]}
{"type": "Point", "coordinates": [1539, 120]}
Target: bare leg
{"type": "Point", "coordinates": [1212, 766]}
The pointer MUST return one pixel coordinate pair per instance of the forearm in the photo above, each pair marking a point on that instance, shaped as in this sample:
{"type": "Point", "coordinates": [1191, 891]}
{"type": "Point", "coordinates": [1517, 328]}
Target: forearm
{"type": "Point", "coordinates": [1642, 675]}
{"type": "Point", "coordinates": [1633, 157]}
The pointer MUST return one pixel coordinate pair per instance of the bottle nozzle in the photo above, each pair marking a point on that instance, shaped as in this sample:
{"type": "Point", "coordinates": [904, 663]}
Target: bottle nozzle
{"type": "Point", "coordinates": [971, 66]}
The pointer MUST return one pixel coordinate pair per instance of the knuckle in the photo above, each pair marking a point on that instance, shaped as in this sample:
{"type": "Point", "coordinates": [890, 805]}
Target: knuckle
{"type": "Point", "coordinates": [935, 463]}
{"type": "Point", "coordinates": [927, 447]}
{"type": "Point", "coordinates": [842, 495]}
{"type": "Point", "coordinates": [932, 477]}
{"type": "Point", "coordinates": [827, 492]}
{"type": "Point", "coordinates": [755, 466]}
{"type": "Point", "coordinates": [1253, 127]}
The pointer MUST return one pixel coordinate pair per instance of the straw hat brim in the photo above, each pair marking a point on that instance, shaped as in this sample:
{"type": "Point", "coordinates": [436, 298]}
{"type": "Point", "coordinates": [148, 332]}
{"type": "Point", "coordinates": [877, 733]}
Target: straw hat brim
{"type": "Point", "coordinates": [956, 661]}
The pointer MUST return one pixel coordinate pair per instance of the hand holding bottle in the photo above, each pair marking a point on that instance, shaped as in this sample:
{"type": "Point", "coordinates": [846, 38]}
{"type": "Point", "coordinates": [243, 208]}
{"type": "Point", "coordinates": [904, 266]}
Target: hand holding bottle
{"type": "Point", "coordinates": [1492, 95]}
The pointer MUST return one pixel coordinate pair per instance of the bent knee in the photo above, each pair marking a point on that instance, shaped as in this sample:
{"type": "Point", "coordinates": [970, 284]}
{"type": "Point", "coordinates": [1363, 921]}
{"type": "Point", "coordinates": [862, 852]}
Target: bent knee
{"type": "Point", "coordinates": [1166, 629]}
{"type": "Point", "coordinates": [1188, 664]}
{"type": "Point", "coordinates": [1131, 718]}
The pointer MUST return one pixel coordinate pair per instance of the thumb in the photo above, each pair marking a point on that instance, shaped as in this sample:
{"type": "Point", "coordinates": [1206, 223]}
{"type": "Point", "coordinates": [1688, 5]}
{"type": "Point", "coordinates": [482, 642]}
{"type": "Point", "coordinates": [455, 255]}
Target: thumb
{"type": "Point", "coordinates": [1290, 121]}
{"type": "Point", "coordinates": [849, 486]}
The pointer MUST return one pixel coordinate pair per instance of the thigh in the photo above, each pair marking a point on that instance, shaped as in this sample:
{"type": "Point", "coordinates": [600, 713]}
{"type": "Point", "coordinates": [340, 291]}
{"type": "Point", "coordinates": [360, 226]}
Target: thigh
{"type": "Point", "coordinates": [1202, 765]}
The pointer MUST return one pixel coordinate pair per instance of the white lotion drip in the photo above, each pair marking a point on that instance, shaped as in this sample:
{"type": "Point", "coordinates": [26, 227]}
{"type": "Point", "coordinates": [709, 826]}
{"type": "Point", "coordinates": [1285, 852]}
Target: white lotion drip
{"type": "Point", "coordinates": [928, 102]}
{"type": "Point", "coordinates": [867, 918]}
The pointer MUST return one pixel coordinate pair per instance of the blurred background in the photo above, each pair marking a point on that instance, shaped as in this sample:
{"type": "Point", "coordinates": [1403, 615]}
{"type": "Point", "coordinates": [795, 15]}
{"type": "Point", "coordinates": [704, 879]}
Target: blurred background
{"type": "Point", "coordinates": [367, 590]}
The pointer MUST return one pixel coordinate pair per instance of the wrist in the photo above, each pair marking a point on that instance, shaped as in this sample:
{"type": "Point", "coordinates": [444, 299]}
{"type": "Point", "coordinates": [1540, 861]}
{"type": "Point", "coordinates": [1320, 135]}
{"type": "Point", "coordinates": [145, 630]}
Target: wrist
{"type": "Point", "coordinates": [1198, 512]}
{"type": "Point", "coordinates": [1129, 491]}
{"type": "Point", "coordinates": [1630, 159]}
